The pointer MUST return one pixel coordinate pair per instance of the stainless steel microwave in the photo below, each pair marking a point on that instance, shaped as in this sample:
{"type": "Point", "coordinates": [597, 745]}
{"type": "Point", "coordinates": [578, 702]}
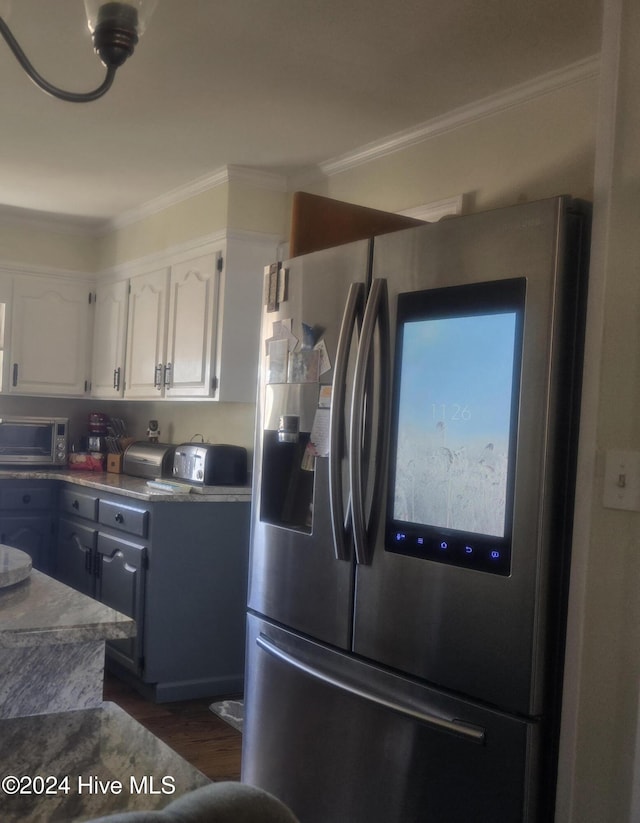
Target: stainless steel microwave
{"type": "Point", "coordinates": [34, 441]}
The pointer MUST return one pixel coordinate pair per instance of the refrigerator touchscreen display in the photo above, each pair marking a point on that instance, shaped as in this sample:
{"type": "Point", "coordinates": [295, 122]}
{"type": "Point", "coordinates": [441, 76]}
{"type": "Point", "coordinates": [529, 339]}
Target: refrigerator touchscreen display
{"type": "Point", "coordinates": [454, 425]}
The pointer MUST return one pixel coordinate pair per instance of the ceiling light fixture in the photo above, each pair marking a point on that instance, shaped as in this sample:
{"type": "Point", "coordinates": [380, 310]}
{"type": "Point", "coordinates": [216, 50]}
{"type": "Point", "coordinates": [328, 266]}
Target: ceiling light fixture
{"type": "Point", "coordinates": [116, 28]}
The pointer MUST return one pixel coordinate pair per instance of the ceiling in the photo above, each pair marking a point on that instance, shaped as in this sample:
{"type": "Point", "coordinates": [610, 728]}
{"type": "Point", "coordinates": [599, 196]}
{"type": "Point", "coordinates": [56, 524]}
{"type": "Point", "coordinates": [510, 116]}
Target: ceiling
{"type": "Point", "coordinates": [276, 85]}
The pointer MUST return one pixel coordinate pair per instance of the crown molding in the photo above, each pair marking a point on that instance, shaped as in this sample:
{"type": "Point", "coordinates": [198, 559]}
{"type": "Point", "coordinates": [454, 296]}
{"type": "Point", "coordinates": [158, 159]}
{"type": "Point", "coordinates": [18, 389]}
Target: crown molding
{"type": "Point", "coordinates": [165, 201]}
{"type": "Point", "coordinates": [437, 209]}
{"type": "Point", "coordinates": [202, 245]}
{"type": "Point", "coordinates": [577, 72]}
{"type": "Point", "coordinates": [257, 178]}
{"type": "Point", "coordinates": [10, 267]}
{"type": "Point", "coordinates": [227, 174]}
{"type": "Point", "coordinates": [164, 258]}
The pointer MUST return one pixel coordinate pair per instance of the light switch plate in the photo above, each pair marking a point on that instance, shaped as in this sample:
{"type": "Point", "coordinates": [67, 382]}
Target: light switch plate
{"type": "Point", "coordinates": [622, 480]}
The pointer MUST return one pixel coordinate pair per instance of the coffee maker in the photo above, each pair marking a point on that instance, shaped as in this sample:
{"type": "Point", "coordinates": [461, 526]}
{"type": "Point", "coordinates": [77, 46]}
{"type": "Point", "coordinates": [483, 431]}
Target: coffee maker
{"type": "Point", "coordinates": [97, 436]}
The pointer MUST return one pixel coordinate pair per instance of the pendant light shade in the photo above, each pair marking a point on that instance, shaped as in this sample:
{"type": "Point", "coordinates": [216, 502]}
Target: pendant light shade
{"type": "Point", "coordinates": [116, 28]}
{"type": "Point", "coordinates": [138, 10]}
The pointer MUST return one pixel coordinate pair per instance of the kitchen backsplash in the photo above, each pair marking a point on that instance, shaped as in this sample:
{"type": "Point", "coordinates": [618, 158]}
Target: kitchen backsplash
{"type": "Point", "coordinates": [179, 422]}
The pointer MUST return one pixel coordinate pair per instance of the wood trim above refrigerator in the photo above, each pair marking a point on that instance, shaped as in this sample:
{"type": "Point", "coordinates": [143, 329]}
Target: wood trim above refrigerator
{"type": "Point", "coordinates": [320, 222]}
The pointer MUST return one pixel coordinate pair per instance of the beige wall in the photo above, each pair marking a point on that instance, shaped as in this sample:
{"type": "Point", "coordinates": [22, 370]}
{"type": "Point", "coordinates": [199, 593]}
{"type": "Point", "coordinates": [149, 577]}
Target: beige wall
{"type": "Point", "coordinates": [190, 219]}
{"type": "Point", "coordinates": [228, 206]}
{"type": "Point", "coordinates": [21, 242]}
{"type": "Point", "coordinates": [178, 421]}
{"type": "Point", "coordinates": [536, 149]}
{"type": "Point", "coordinates": [256, 209]}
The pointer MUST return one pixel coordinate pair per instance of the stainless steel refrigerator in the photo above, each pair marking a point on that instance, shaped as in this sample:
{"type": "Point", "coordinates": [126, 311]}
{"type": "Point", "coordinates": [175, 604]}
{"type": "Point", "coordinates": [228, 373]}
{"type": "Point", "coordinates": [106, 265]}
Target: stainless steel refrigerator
{"type": "Point", "coordinates": [414, 468]}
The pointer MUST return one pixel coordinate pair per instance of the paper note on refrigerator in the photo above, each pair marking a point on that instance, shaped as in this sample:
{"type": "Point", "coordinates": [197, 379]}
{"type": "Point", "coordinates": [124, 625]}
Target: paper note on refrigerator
{"type": "Point", "coordinates": [277, 361]}
{"type": "Point", "coordinates": [325, 363]}
{"type": "Point", "coordinates": [319, 440]}
{"type": "Point", "coordinates": [303, 367]}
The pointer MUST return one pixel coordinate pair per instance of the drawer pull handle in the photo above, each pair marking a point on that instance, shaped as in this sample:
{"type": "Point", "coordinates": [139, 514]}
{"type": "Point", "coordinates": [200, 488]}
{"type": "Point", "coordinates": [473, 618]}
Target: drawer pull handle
{"type": "Point", "coordinates": [76, 504]}
{"type": "Point", "coordinates": [26, 498]}
{"type": "Point", "coordinates": [119, 518]}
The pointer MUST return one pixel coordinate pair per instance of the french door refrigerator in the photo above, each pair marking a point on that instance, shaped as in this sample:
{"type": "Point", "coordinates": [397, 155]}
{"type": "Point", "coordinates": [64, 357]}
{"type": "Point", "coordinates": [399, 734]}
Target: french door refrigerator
{"type": "Point", "coordinates": [413, 482]}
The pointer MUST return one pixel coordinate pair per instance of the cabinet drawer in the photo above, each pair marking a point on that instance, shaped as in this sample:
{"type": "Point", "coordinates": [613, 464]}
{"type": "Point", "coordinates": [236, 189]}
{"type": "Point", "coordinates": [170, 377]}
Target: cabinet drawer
{"type": "Point", "coordinates": [79, 504]}
{"type": "Point", "coordinates": [124, 518]}
{"type": "Point", "coordinates": [24, 498]}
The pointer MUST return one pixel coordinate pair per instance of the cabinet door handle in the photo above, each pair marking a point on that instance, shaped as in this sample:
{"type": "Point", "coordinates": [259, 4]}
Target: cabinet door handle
{"type": "Point", "coordinates": [167, 374]}
{"type": "Point", "coordinates": [15, 374]}
{"type": "Point", "coordinates": [157, 377]}
{"type": "Point", "coordinates": [116, 378]}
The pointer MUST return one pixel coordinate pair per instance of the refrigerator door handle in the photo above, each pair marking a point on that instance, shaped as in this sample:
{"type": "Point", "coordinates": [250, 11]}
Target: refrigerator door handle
{"type": "Point", "coordinates": [376, 313]}
{"type": "Point", "coordinates": [467, 731]}
{"type": "Point", "coordinates": [352, 314]}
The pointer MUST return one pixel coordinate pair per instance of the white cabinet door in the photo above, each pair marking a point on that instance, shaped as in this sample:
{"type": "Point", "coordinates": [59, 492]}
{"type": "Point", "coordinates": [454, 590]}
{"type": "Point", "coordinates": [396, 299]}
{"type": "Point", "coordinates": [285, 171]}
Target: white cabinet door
{"type": "Point", "coordinates": [146, 335]}
{"type": "Point", "coordinates": [50, 336]}
{"type": "Point", "coordinates": [109, 339]}
{"type": "Point", "coordinates": [193, 312]}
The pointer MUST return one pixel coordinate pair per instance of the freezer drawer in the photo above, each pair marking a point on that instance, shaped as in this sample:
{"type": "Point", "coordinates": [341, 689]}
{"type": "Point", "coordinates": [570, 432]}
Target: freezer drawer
{"type": "Point", "coordinates": [343, 741]}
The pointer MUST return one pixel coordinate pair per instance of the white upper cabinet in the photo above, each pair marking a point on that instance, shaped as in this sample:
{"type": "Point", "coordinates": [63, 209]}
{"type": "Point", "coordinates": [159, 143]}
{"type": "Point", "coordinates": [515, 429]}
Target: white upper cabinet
{"type": "Point", "coordinates": [109, 336]}
{"type": "Point", "coordinates": [172, 330]}
{"type": "Point", "coordinates": [171, 337]}
{"type": "Point", "coordinates": [192, 324]}
{"type": "Point", "coordinates": [192, 328]}
{"type": "Point", "coordinates": [147, 335]}
{"type": "Point", "coordinates": [50, 345]}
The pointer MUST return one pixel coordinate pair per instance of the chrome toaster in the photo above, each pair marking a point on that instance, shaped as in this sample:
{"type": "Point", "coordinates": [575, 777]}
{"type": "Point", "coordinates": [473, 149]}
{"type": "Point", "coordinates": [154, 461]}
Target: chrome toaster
{"type": "Point", "coordinates": [210, 464]}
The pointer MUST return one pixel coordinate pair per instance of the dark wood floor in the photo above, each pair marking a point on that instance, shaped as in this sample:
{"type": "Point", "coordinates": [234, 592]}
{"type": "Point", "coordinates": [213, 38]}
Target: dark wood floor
{"type": "Point", "coordinates": [189, 727]}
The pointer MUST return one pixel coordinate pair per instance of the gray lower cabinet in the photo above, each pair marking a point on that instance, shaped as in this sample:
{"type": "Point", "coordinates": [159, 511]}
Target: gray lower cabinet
{"type": "Point", "coordinates": [179, 569]}
{"type": "Point", "coordinates": [93, 559]}
{"type": "Point", "coordinates": [76, 555]}
{"type": "Point", "coordinates": [120, 579]}
{"type": "Point", "coordinates": [27, 518]}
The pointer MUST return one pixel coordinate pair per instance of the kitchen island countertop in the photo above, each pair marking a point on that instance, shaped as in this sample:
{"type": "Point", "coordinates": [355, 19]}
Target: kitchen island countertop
{"type": "Point", "coordinates": [41, 611]}
{"type": "Point", "coordinates": [52, 643]}
{"type": "Point", "coordinates": [78, 765]}
{"type": "Point", "coordinates": [134, 487]}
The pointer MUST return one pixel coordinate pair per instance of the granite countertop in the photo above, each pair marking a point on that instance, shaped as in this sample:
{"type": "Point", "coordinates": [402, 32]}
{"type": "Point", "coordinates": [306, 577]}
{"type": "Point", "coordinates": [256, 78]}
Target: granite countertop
{"type": "Point", "coordinates": [41, 611]}
{"type": "Point", "coordinates": [95, 761]}
{"type": "Point", "coordinates": [15, 565]}
{"type": "Point", "coordinates": [135, 487]}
